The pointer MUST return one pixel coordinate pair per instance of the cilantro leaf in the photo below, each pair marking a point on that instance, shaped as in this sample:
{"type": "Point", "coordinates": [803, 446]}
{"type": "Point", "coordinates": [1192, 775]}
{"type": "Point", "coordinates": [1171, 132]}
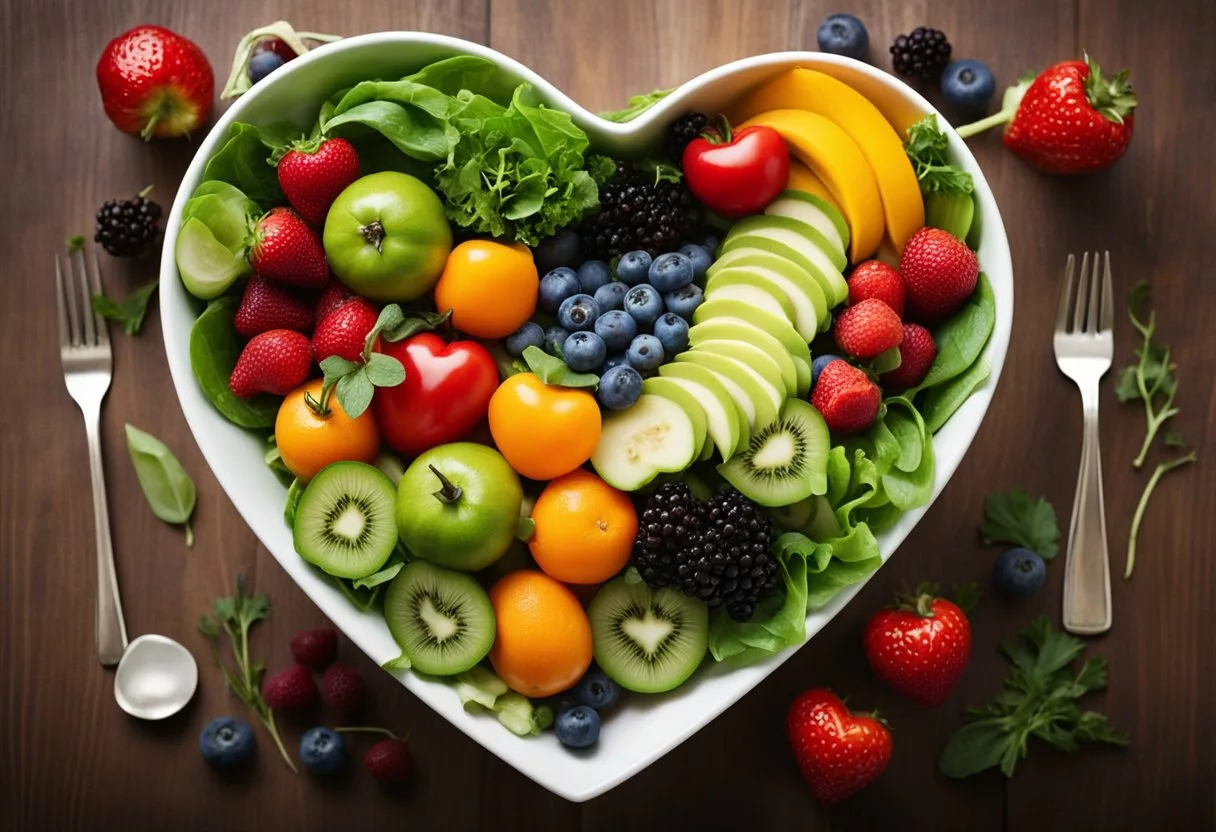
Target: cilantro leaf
{"type": "Point", "coordinates": [129, 311]}
{"type": "Point", "coordinates": [1013, 517]}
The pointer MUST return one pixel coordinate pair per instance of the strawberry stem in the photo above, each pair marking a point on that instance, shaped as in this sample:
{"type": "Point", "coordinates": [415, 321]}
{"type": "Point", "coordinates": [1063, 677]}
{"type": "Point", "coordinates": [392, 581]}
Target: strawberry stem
{"type": "Point", "coordinates": [359, 729]}
{"type": "Point", "coordinates": [1009, 107]}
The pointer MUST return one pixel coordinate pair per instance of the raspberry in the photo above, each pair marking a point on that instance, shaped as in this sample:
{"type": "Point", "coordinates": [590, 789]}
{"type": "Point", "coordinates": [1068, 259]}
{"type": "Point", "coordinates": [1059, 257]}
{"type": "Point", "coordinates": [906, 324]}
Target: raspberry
{"type": "Point", "coordinates": [315, 648]}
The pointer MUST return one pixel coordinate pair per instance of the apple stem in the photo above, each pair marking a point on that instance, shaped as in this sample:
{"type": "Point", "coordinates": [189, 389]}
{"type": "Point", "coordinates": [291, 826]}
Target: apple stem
{"type": "Point", "coordinates": [373, 232]}
{"type": "Point", "coordinates": [450, 492]}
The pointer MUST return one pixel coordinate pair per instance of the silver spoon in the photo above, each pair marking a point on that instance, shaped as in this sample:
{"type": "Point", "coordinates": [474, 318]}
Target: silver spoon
{"type": "Point", "coordinates": [156, 677]}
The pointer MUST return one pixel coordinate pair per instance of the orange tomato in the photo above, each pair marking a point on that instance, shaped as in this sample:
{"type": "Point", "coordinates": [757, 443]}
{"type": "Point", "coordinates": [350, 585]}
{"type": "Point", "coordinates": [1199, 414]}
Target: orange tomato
{"type": "Point", "coordinates": [585, 529]}
{"type": "Point", "coordinates": [490, 287]}
{"type": "Point", "coordinates": [543, 640]}
{"type": "Point", "coordinates": [543, 431]}
{"type": "Point", "coordinates": [308, 442]}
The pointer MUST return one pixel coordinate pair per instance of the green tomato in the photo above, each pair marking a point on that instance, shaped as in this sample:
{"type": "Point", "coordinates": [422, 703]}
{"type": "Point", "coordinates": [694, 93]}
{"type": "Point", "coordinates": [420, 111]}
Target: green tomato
{"type": "Point", "coordinates": [386, 237]}
{"type": "Point", "coordinates": [458, 506]}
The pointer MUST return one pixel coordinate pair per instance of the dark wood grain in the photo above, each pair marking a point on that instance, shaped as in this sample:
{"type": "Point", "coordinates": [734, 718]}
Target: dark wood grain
{"type": "Point", "coordinates": [70, 759]}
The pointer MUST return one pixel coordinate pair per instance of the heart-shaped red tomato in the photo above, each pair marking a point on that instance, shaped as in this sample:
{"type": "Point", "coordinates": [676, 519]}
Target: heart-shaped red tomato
{"type": "Point", "coordinates": [446, 392]}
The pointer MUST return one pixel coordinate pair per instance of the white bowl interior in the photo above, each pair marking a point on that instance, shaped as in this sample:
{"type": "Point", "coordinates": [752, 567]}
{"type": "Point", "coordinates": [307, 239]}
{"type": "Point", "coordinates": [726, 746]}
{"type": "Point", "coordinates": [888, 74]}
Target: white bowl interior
{"type": "Point", "coordinates": [643, 728]}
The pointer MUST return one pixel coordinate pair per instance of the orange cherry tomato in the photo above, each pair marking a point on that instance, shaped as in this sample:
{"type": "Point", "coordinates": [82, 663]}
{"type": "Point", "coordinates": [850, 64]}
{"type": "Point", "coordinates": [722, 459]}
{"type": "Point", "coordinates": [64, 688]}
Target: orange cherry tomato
{"type": "Point", "coordinates": [491, 288]}
{"type": "Point", "coordinates": [308, 441]}
{"type": "Point", "coordinates": [585, 529]}
{"type": "Point", "coordinates": [543, 431]}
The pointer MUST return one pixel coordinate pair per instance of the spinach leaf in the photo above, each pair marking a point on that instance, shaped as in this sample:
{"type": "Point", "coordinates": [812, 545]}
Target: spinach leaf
{"type": "Point", "coordinates": [244, 161]}
{"type": "Point", "coordinates": [412, 130]}
{"type": "Point", "coordinates": [909, 483]}
{"type": "Point", "coordinates": [940, 403]}
{"type": "Point", "coordinates": [961, 339]}
{"type": "Point", "coordinates": [129, 311]}
{"type": "Point", "coordinates": [214, 349]}
{"type": "Point", "coordinates": [166, 485]}
{"type": "Point", "coordinates": [294, 492]}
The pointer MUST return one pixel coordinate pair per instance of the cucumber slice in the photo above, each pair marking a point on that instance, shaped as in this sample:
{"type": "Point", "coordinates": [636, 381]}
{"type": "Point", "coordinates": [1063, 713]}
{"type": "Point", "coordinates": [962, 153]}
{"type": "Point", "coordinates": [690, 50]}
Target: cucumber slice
{"type": "Point", "coordinates": [760, 400]}
{"type": "Point", "coordinates": [752, 288]}
{"type": "Point", "coordinates": [817, 213]}
{"type": "Point", "coordinates": [724, 330]}
{"type": "Point", "coordinates": [795, 346]}
{"type": "Point", "coordinates": [805, 295]}
{"type": "Point", "coordinates": [208, 268]}
{"type": "Point", "coordinates": [786, 461]}
{"type": "Point", "coordinates": [722, 421]}
{"type": "Point", "coordinates": [798, 250]}
{"type": "Point", "coordinates": [668, 389]}
{"type": "Point", "coordinates": [653, 436]}
{"type": "Point", "coordinates": [755, 358]}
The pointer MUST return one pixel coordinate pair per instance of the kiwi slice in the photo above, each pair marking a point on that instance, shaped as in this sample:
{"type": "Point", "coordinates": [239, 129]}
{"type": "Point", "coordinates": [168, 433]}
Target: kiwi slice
{"type": "Point", "coordinates": [346, 521]}
{"type": "Point", "coordinates": [786, 461]}
{"type": "Point", "coordinates": [441, 619]}
{"type": "Point", "coordinates": [647, 640]}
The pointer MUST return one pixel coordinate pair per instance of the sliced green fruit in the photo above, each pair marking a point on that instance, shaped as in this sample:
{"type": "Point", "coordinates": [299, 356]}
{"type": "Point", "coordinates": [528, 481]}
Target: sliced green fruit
{"type": "Point", "coordinates": [668, 389]}
{"type": "Point", "coordinates": [801, 245]}
{"type": "Point", "coordinates": [950, 212]}
{"type": "Point", "coordinates": [817, 213]}
{"type": "Point", "coordinates": [786, 461]}
{"type": "Point", "coordinates": [727, 330]}
{"type": "Point", "coordinates": [803, 292]}
{"type": "Point", "coordinates": [637, 444]}
{"type": "Point", "coordinates": [225, 210]}
{"type": "Point", "coordinates": [793, 343]}
{"type": "Point", "coordinates": [345, 522]}
{"type": "Point", "coordinates": [752, 288]}
{"type": "Point", "coordinates": [441, 619]}
{"type": "Point", "coordinates": [722, 420]}
{"type": "Point", "coordinates": [208, 268]}
{"type": "Point", "coordinates": [758, 400]}
{"type": "Point", "coordinates": [795, 232]}
{"type": "Point", "coordinates": [755, 358]}
{"type": "Point", "coordinates": [647, 640]}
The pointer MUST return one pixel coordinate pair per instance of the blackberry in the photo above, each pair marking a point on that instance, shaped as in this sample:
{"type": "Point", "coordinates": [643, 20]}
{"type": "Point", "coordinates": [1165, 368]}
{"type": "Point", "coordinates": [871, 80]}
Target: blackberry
{"type": "Point", "coordinates": [671, 520]}
{"type": "Point", "coordinates": [922, 54]}
{"type": "Point", "coordinates": [680, 134]}
{"type": "Point", "coordinates": [637, 212]}
{"type": "Point", "coordinates": [127, 227]}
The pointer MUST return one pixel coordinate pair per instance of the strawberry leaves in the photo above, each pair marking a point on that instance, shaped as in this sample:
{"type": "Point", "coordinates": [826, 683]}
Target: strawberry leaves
{"type": "Point", "coordinates": [1113, 97]}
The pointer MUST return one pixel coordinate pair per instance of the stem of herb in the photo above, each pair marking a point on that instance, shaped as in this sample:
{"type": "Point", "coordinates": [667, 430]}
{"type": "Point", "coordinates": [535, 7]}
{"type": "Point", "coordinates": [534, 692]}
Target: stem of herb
{"type": "Point", "coordinates": [1161, 470]}
{"type": "Point", "coordinates": [189, 535]}
{"type": "Point", "coordinates": [273, 730]}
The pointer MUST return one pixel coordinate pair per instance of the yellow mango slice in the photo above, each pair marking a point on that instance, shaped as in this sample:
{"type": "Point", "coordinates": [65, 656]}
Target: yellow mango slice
{"type": "Point", "coordinates": [804, 179]}
{"type": "Point", "coordinates": [808, 89]}
{"type": "Point", "coordinates": [837, 160]}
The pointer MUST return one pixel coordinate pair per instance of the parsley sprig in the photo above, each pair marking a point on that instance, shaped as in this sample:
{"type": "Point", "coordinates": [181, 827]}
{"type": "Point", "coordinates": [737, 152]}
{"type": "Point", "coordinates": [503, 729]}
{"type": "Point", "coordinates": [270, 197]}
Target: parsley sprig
{"type": "Point", "coordinates": [235, 617]}
{"type": "Point", "coordinates": [926, 148]}
{"type": "Point", "coordinates": [1015, 517]}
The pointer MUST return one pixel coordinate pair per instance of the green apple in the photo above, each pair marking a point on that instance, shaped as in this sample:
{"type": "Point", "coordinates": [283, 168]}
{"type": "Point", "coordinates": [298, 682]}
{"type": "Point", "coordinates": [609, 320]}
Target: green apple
{"type": "Point", "coordinates": [755, 358]}
{"type": "Point", "coordinates": [820, 215]}
{"type": "Point", "coordinates": [387, 238]}
{"type": "Point", "coordinates": [740, 313]}
{"type": "Point", "coordinates": [652, 436]}
{"type": "Point", "coordinates": [458, 506]}
{"type": "Point", "coordinates": [716, 330]}
{"type": "Point", "coordinates": [802, 293]}
{"type": "Point", "coordinates": [722, 420]}
{"type": "Point", "coordinates": [758, 399]}
{"type": "Point", "coordinates": [795, 241]}
{"type": "Point", "coordinates": [754, 289]}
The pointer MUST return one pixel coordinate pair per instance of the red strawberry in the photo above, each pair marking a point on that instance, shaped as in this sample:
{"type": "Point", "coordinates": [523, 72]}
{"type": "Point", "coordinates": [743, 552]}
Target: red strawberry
{"type": "Point", "coordinates": [920, 647]}
{"type": "Point", "coordinates": [939, 273]}
{"type": "Point", "coordinates": [312, 175]}
{"type": "Point", "coordinates": [155, 82]}
{"type": "Point", "coordinates": [389, 761]}
{"type": "Point", "coordinates": [292, 689]}
{"type": "Point", "coordinates": [334, 295]}
{"type": "Point", "coordinates": [344, 330]}
{"type": "Point", "coordinates": [846, 397]}
{"type": "Point", "coordinates": [875, 279]}
{"type": "Point", "coordinates": [342, 688]}
{"type": "Point", "coordinates": [317, 648]}
{"type": "Point", "coordinates": [868, 329]}
{"type": "Point", "coordinates": [838, 752]}
{"type": "Point", "coordinates": [266, 306]}
{"type": "Point", "coordinates": [287, 250]}
{"type": "Point", "coordinates": [916, 354]}
{"type": "Point", "coordinates": [275, 362]}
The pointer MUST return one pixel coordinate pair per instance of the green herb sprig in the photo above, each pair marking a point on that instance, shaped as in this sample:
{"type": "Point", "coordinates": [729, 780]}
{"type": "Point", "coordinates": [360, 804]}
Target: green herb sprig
{"type": "Point", "coordinates": [1015, 517]}
{"type": "Point", "coordinates": [166, 485]}
{"type": "Point", "coordinates": [130, 311]}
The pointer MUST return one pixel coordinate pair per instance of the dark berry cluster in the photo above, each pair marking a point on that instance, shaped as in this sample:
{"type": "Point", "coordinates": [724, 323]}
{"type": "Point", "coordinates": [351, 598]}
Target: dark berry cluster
{"type": "Point", "coordinates": [922, 54]}
{"type": "Point", "coordinates": [719, 551]}
{"type": "Point", "coordinates": [127, 227]}
{"type": "Point", "coordinates": [638, 212]}
{"type": "Point", "coordinates": [680, 134]}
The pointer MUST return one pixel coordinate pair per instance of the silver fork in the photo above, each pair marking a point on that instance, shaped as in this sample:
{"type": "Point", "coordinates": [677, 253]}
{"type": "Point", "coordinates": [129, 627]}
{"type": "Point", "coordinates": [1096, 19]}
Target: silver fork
{"type": "Point", "coordinates": [1083, 352]}
{"type": "Point", "coordinates": [84, 347]}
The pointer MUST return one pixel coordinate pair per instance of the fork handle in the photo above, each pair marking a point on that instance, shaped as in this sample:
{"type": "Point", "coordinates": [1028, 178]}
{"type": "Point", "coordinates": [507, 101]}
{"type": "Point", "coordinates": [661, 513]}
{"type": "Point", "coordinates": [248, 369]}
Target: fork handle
{"type": "Point", "coordinates": [1087, 604]}
{"type": "Point", "coordinates": [111, 630]}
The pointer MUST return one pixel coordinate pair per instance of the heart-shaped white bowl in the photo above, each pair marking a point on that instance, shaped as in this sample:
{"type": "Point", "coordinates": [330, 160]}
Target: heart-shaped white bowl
{"type": "Point", "coordinates": [641, 728]}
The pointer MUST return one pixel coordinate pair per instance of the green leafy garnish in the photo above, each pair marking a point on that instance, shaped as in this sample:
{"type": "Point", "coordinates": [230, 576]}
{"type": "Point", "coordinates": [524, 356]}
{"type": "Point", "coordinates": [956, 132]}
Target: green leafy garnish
{"type": "Point", "coordinates": [235, 617]}
{"type": "Point", "coordinates": [1160, 471]}
{"type": "Point", "coordinates": [75, 243]}
{"type": "Point", "coordinates": [1039, 700]}
{"type": "Point", "coordinates": [636, 105]}
{"type": "Point", "coordinates": [1150, 378]}
{"type": "Point", "coordinates": [129, 311]}
{"type": "Point", "coordinates": [552, 370]}
{"type": "Point", "coordinates": [214, 349]}
{"type": "Point", "coordinates": [926, 148]}
{"type": "Point", "coordinates": [166, 485]}
{"type": "Point", "coordinates": [244, 161]}
{"type": "Point", "coordinates": [1013, 517]}
{"type": "Point", "coordinates": [480, 691]}
{"type": "Point", "coordinates": [967, 596]}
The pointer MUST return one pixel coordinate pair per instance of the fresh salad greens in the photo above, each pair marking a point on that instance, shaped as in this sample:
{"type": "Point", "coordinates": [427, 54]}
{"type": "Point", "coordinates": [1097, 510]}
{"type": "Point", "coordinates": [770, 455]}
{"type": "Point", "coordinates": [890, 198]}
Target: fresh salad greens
{"type": "Point", "coordinates": [166, 485]}
{"type": "Point", "coordinates": [552, 370]}
{"type": "Point", "coordinates": [636, 105]}
{"type": "Point", "coordinates": [1015, 517]}
{"type": "Point", "coordinates": [214, 349]}
{"type": "Point", "coordinates": [481, 691]}
{"type": "Point", "coordinates": [130, 311]}
{"type": "Point", "coordinates": [243, 161]}
{"type": "Point", "coordinates": [946, 188]}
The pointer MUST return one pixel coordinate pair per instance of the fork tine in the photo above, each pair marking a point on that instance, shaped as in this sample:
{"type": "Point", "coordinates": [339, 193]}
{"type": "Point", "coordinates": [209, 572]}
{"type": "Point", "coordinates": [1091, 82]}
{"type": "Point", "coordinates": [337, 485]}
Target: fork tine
{"type": "Point", "coordinates": [1080, 304]}
{"type": "Point", "coordinates": [86, 308]}
{"type": "Point", "coordinates": [65, 331]}
{"type": "Point", "coordinates": [1065, 291]}
{"type": "Point", "coordinates": [1107, 320]}
{"type": "Point", "coordinates": [69, 292]}
{"type": "Point", "coordinates": [103, 331]}
{"type": "Point", "coordinates": [1095, 297]}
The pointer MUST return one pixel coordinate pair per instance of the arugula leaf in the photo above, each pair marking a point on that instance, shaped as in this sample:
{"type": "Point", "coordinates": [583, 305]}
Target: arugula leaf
{"type": "Point", "coordinates": [130, 310]}
{"type": "Point", "coordinates": [552, 370]}
{"type": "Point", "coordinates": [1013, 517]}
{"type": "Point", "coordinates": [1039, 700]}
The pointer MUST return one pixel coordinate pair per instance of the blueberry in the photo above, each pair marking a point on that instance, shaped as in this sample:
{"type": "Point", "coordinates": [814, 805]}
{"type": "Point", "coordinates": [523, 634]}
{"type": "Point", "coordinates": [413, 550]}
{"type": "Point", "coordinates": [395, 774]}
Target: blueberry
{"type": "Point", "coordinates": [711, 243]}
{"type": "Point", "coordinates": [262, 64]}
{"type": "Point", "coordinates": [616, 328]}
{"type": "Point", "coordinates": [610, 295]}
{"type": "Point", "coordinates": [671, 271]}
{"type": "Point", "coordinates": [555, 287]}
{"type": "Point", "coordinates": [672, 332]}
{"type": "Point", "coordinates": [555, 340]}
{"type": "Point", "coordinates": [645, 353]}
{"type": "Point", "coordinates": [561, 250]}
{"type": "Point", "coordinates": [578, 313]}
{"type": "Point", "coordinates": [818, 364]}
{"type": "Point", "coordinates": [226, 742]}
{"type": "Point", "coordinates": [633, 267]}
{"type": "Point", "coordinates": [701, 259]}
{"type": "Point", "coordinates": [644, 304]}
{"type": "Point", "coordinates": [684, 301]}
{"type": "Point", "coordinates": [968, 85]}
{"type": "Point", "coordinates": [617, 359]}
{"type": "Point", "coordinates": [584, 351]}
{"type": "Point", "coordinates": [843, 34]}
{"type": "Point", "coordinates": [596, 690]}
{"type": "Point", "coordinates": [323, 751]}
{"type": "Point", "coordinates": [619, 387]}
{"type": "Point", "coordinates": [1019, 573]}
{"type": "Point", "coordinates": [592, 275]}
{"type": "Point", "coordinates": [577, 727]}
{"type": "Point", "coordinates": [529, 335]}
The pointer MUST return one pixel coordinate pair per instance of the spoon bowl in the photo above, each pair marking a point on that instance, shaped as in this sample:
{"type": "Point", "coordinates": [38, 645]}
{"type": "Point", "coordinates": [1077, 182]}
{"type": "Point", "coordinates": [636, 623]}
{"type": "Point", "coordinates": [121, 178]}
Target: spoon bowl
{"type": "Point", "coordinates": [156, 677]}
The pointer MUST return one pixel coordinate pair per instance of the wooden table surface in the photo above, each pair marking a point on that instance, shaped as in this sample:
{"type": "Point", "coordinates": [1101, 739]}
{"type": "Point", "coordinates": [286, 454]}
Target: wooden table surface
{"type": "Point", "coordinates": [69, 759]}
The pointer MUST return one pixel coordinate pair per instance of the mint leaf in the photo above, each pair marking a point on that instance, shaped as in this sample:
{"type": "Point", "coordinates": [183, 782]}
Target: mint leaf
{"type": "Point", "coordinates": [355, 391]}
{"type": "Point", "coordinates": [926, 148]}
{"type": "Point", "coordinates": [413, 323]}
{"type": "Point", "coordinates": [384, 370]}
{"type": "Point", "coordinates": [129, 311]}
{"type": "Point", "coordinates": [1013, 517]}
{"type": "Point", "coordinates": [552, 370]}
